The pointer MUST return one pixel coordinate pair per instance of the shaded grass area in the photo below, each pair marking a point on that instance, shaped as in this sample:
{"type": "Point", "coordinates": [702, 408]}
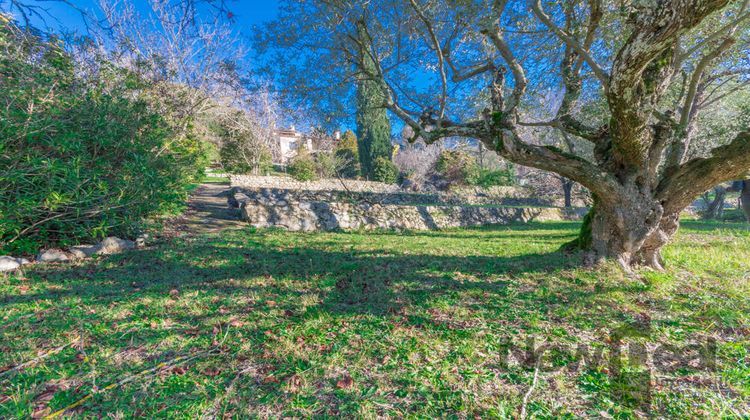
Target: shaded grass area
{"type": "Point", "coordinates": [270, 323]}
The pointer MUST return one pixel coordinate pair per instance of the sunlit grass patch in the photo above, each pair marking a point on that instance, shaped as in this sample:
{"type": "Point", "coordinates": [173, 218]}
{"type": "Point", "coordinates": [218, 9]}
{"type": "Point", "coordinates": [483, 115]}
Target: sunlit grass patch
{"type": "Point", "coordinates": [270, 323]}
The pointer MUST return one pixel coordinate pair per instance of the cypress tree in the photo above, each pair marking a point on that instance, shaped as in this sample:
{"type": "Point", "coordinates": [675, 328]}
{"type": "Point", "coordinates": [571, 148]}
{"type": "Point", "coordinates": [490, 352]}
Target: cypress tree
{"type": "Point", "coordinates": [373, 126]}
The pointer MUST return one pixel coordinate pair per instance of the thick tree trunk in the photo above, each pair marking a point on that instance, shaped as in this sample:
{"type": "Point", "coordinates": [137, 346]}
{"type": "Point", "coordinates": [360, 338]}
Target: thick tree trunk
{"type": "Point", "coordinates": [567, 186]}
{"type": "Point", "coordinates": [627, 229]}
{"type": "Point", "coordinates": [715, 208]}
{"type": "Point", "coordinates": [628, 239]}
{"type": "Point", "coordinates": [745, 198]}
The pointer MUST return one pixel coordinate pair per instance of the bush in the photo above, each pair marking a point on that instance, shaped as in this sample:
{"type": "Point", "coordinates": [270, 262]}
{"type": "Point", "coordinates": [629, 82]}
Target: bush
{"type": "Point", "coordinates": [493, 178]}
{"type": "Point", "coordinates": [347, 156]}
{"type": "Point", "coordinates": [457, 167]}
{"type": "Point", "coordinates": [347, 164]}
{"type": "Point", "coordinates": [81, 164]}
{"type": "Point", "coordinates": [417, 163]}
{"type": "Point", "coordinates": [237, 158]}
{"type": "Point", "coordinates": [242, 150]}
{"type": "Point", "coordinates": [325, 164]}
{"type": "Point", "coordinates": [385, 171]}
{"type": "Point", "coordinates": [303, 167]}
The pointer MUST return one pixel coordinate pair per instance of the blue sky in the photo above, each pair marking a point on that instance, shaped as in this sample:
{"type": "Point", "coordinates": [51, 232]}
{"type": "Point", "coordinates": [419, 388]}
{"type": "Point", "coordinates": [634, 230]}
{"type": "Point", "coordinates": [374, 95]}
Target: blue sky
{"type": "Point", "coordinates": [247, 13]}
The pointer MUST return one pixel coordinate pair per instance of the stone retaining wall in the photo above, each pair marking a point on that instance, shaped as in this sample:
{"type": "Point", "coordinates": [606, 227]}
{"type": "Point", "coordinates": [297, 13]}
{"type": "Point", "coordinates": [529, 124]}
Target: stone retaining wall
{"type": "Point", "coordinates": [377, 191]}
{"type": "Point", "coordinates": [332, 210]}
{"type": "Point", "coordinates": [287, 183]}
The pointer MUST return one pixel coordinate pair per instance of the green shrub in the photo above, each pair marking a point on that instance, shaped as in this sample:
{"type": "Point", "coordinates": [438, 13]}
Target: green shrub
{"type": "Point", "coordinates": [385, 171]}
{"type": "Point", "coordinates": [492, 178]}
{"type": "Point", "coordinates": [457, 167]}
{"type": "Point", "coordinates": [242, 151]}
{"type": "Point", "coordinates": [325, 164]}
{"type": "Point", "coordinates": [82, 163]}
{"type": "Point", "coordinates": [347, 156]}
{"type": "Point", "coordinates": [237, 158]}
{"type": "Point", "coordinates": [348, 163]}
{"type": "Point", "coordinates": [303, 167]}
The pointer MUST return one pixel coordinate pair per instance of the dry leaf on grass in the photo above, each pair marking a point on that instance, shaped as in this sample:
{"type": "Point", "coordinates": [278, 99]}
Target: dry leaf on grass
{"type": "Point", "coordinates": [294, 383]}
{"type": "Point", "coordinates": [346, 382]}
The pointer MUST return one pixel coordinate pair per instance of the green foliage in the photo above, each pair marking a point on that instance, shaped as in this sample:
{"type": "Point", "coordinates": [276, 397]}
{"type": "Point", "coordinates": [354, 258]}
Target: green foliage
{"type": "Point", "coordinates": [460, 168]}
{"type": "Point", "coordinates": [80, 163]}
{"type": "Point", "coordinates": [348, 142]}
{"type": "Point", "coordinates": [347, 155]}
{"type": "Point", "coordinates": [493, 178]}
{"type": "Point", "coordinates": [457, 167]}
{"type": "Point", "coordinates": [212, 152]}
{"type": "Point", "coordinates": [373, 126]}
{"type": "Point", "coordinates": [303, 166]}
{"type": "Point", "coordinates": [385, 171]}
{"type": "Point", "coordinates": [237, 157]}
{"type": "Point", "coordinates": [326, 164]}
{"type": "Point", "coordinates": [241, 151]}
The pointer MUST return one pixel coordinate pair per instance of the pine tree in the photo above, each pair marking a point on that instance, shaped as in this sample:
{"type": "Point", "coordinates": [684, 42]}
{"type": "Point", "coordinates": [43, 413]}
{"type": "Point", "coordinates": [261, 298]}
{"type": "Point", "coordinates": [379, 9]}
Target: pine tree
{"type": "Point", "coordinates": [373, 126]}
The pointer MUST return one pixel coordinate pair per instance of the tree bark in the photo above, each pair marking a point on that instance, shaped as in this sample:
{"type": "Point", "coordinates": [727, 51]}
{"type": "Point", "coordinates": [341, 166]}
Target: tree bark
{"type": "Point", "coordinates": [745, 198]}
{"type": "Point", "coordinates": [567, 186]}
{"type": "Point", "coordinates": [715, 208]}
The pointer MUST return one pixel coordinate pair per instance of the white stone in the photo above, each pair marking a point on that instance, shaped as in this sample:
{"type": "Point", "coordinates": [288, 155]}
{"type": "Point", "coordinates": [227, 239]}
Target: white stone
{"type": "Point", "coordinates": [9, 264]}
{"type": "Point", "coordinates": [113, 245]}
{"type": "Point", "coordinates": [140, 241]}
{"type": "Point", "coordinates": [80, 252]}
{"type": "Point", "coordinates": [53, 256]}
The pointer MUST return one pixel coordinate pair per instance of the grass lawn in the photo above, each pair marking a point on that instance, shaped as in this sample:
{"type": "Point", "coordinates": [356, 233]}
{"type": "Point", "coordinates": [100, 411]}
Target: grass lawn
{"type": "Point", "coordinates": [269, 323]}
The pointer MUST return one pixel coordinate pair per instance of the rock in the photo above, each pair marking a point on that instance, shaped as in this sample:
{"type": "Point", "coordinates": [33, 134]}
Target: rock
{"type": "Point", "coordinates": [80, 252]}
{"type": "Point", "coordinates": [113, 245]}
{"type": "Point", "coordinates": [235, 200]}
{"type": "Point", "coordinates": [9, 264]}
{"type": "Point", "coordinates": [23, 261]}
{"type": "Point", "coordinates": [53, 256]}
{"type": "Point", "coordinates": [140, 241]}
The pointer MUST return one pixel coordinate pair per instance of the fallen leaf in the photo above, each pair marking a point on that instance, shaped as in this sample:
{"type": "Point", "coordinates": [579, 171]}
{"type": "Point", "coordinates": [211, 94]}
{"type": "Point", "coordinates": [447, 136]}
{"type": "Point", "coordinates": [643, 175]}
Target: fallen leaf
{"type": "Point", "coordinates": [270, 379]}
{"type": "Point", "coordinates": [192, 331]}
{"type": "Point", "coordinates": [345, 383]}
{"type": "Point", "coordinates": [40, 412]}
{"type": "Point", "coordinates": [294, 383]}
{"type": "Point", "coordinates": [46, 395]}
{"type": "Point", "coordinates": [236, 323]}
{"type": "Point", "coordinates": [212, 372]}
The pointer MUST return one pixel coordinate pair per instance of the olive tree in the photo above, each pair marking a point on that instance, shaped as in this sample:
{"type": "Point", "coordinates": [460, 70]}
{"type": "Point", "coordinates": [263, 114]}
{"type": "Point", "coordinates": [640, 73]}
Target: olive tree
{"type": "Point", "coordinates": [651, 67]}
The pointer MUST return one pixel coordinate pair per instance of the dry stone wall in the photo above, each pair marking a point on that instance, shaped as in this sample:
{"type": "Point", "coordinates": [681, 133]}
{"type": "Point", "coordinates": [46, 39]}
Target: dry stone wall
{"type": "Point", "coordinates": [318, 215]}
{"type": "Point", "coordinates": [287, 183]}
{"type": "Point", "coordinates": [288, 205]}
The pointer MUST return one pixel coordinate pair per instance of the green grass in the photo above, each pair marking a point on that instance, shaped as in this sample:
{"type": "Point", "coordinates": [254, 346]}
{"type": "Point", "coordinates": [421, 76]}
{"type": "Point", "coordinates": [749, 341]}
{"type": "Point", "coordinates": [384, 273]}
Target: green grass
{"type": "Point", "coordinates": [208, 179]}
{"type": "Point", "coordinates": [270, 323]}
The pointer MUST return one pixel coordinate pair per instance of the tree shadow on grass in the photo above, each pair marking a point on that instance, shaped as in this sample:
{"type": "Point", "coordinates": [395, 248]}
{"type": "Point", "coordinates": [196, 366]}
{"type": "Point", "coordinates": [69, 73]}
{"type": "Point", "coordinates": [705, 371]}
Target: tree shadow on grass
{"type": "Point", "coordinates": [358, 281]}
{"type": "Point", "coordinates": [262, 281]}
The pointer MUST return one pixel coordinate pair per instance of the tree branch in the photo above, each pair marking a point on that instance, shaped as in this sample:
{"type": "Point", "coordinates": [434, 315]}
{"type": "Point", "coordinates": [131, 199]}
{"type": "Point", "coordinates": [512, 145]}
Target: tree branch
{"type": "Point", "coordinates": [439, 51]}
{"type": "Point", "coordinates": [603, 77]}
{"type": "Point", "coordinates": [678, 188]}
{"type": "Point", "coordinates": [494, 33]}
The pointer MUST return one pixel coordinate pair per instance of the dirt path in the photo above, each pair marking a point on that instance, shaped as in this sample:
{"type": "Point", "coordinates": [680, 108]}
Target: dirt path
{"type": "Point", "coordinates": [207, 212]}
